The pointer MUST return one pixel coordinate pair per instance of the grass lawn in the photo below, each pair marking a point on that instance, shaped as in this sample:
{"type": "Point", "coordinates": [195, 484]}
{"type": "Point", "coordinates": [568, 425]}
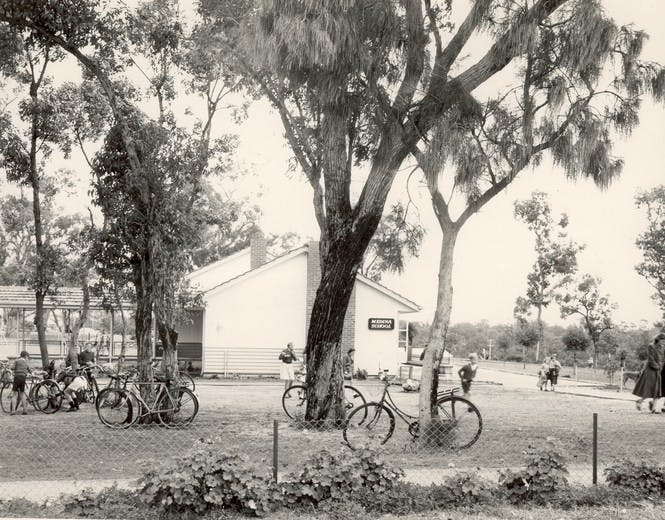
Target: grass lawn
{"type": "Point", "coordinates": [240, 418]}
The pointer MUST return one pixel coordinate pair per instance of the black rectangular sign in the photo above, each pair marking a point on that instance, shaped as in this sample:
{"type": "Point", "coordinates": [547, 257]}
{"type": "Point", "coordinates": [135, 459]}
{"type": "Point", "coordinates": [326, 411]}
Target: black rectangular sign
{"type": "Point", "coordinates": [381, 324]}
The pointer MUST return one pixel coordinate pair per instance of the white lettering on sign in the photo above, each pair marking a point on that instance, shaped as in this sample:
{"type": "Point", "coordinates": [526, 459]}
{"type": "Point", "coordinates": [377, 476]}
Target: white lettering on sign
{"type": "Point", "coordinates": [381, 324]}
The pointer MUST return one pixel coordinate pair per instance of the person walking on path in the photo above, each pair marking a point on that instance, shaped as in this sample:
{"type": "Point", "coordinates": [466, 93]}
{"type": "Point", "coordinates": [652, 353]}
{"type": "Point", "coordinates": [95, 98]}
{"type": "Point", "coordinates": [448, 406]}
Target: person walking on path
{"type": "Point", "coordinates": [21, 370]}
{"type": "Point", "coordinates": [286, 370]}
{"type": "Point", "coordinates": [553, 372]}
{"type": "Point", "coordinates": [468, 373]}
{"type": "Point", "coordinates": [542, 374]}
{"type": "Point", "coordinates": [648, 385]}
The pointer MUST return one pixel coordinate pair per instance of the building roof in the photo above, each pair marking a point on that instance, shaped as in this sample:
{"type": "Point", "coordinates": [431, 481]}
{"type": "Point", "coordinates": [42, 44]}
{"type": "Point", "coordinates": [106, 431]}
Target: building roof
{"type": "Point", "coordinates": [389, 292]}
{"type": "Point", "coordinates": [13, 296]}
{"type": "Point", "coordinates": [413, 307]}
{"type": "Point", "coordinates": [263, 267]}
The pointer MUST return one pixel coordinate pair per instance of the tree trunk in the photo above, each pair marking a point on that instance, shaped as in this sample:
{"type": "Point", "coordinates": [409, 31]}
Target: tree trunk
{"type": "Point", "coordinates": [40, 324]}
{"type": "Point", "coordinates": [169, 339]}
{"type": "Point", "coordinates": [143, 319]}
{"type": "Point", "coordinates": [325, 375]}
{"type": "Point", "coordinates": [539, 320]}
{"type": "Point", "coordinates": [41, 284]}
{"type": "Point", "coordinates": [429, 384]}
{"type": "Point", "coordinates": [123, 318]}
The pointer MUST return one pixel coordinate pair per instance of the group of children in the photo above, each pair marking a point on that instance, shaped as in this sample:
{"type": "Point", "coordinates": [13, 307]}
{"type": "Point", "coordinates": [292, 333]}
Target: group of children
{"type": "Point", "coordinates": [72, 384]}
{"type": "Point", "coordinates": [549, 373]}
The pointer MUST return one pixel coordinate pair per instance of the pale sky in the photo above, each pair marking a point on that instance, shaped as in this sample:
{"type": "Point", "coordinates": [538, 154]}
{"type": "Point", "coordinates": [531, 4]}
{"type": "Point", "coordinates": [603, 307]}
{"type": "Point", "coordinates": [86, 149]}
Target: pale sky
{"type": "Point", "coordinates": [494, 252]}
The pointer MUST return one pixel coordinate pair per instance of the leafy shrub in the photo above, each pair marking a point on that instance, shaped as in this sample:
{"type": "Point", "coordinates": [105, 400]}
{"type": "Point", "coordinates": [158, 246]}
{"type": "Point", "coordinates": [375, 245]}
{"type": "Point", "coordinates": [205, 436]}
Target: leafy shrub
{"type": "Point", "coordinates": [336, 476]}
{"type": "Point", "coordinates": [205, 480]}
{"type": "Point", "coordinates": [544, 475]}
{"type": "Point", "coordinates": [575, 497]}
{"type": "Point", "coordinates": [401, 499]}
{"type": "Point", "coordinates": [333, 509]}
{"type": "Point", "coordinates": [110, 502]}
{"type": "Point", "coordinates": [643, 477]}
{"type": "Point", "coordinates": [463, 489]}
{"type": "Point", "coordinates": [21, 508]}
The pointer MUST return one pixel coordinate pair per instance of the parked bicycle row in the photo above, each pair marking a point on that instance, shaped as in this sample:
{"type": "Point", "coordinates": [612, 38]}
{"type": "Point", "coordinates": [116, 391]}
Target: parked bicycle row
{"type": "Point", "coordinates": [123, 402]}
{"type": "Point", "coordinates": [456, 425]}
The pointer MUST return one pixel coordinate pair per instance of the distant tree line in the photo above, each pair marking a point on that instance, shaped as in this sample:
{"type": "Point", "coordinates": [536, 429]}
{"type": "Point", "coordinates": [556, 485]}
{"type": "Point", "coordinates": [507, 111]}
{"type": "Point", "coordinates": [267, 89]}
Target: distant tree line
{"type": "Point", "coordinates": [571, 344]}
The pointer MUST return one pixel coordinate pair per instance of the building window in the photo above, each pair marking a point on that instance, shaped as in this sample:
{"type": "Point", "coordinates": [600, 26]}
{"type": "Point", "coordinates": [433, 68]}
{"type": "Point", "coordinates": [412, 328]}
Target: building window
{"type": "Point", "coordinates": [403, 340]}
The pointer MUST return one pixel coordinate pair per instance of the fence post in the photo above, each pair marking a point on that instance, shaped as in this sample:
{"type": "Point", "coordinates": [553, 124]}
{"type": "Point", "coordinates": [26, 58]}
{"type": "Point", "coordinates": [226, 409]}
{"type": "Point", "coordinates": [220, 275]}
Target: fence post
{"type": "Point", "coordinates": [275, 448]}
{"type": "Point", "coordinates": [595, 449]}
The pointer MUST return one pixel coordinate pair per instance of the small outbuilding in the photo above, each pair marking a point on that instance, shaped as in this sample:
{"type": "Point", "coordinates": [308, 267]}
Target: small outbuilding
{"type": "Point", "coordinates": [255, 306]}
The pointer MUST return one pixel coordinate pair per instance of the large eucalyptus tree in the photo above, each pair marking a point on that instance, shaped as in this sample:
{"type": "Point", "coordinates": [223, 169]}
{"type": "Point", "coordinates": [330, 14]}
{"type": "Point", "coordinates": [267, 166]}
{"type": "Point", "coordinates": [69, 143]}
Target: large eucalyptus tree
{"type": "Point", "coordinates": [360, 86]}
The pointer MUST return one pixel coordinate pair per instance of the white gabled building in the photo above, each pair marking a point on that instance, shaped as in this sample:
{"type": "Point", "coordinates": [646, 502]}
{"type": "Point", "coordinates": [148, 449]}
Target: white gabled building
{"type": "Point", "coordinates": [254, 307]}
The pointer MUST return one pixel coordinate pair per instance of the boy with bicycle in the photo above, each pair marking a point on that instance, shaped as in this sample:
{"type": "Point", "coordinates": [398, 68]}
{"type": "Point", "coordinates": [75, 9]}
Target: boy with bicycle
{"type": "Point", "coordinates": [21, 370]}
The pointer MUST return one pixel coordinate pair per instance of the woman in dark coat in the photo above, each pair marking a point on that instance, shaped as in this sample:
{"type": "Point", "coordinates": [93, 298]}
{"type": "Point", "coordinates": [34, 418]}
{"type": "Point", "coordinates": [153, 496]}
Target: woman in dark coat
{"type": "Point", "coordinates": [648, 384]}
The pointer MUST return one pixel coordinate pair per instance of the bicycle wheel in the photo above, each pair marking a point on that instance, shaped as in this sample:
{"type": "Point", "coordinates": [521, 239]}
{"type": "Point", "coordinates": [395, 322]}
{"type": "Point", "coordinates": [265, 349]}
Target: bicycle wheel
{"type": "Point", "coordinates": [31, 398]}
{"type": "Point", "coordinates": [458, 426]}
{"type": "Point", "coordinates": [47, 397]}
{"type": "Point", "coordinates": [6, 398]}
{"type": "Point", "coordinates": [114, 408]}
{"type": "Point", "coordinates": [369, 426]}
{"type": "Point", "coordinates": [352, 399]}
{"type": "Point", "coordinates": [179, 410]}
{"type": "Point", "coordinates": [186, 381]}
{"type": "Point", "coordinates": [91, 391]}
{"type": "Point", "coordinates": [294, 401]}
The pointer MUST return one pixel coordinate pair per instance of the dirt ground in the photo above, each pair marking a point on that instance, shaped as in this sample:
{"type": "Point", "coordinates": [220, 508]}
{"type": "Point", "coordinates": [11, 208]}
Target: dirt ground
{"type": "Point", "coordinates": [240, 417]}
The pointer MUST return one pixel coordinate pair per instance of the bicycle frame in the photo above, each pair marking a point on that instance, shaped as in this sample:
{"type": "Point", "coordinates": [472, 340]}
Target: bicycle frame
{"type": "Point", "coordinates": [387, 401]}
{"type": "Point", "coordinates": [146, 409]}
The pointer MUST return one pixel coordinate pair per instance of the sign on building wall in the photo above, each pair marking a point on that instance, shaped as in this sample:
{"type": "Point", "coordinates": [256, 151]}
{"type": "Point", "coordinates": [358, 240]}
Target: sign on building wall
{"type": "Point", "coordinates": [381, 324]}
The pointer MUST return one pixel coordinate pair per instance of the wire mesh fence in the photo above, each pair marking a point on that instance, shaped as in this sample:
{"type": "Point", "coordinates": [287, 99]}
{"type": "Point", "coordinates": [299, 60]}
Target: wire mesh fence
{"type": "Point", "coordinates": [250, 418]}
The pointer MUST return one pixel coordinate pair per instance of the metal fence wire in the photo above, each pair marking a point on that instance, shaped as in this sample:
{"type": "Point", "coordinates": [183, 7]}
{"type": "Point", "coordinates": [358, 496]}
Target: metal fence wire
{"type": "Point", "coordinates": [249, 417]}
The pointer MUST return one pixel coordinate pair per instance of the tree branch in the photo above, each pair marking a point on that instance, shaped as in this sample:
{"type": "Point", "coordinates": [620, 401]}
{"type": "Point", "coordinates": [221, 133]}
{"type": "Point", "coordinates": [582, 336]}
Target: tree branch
{"type": "Point", "coordinates": [415, 58]}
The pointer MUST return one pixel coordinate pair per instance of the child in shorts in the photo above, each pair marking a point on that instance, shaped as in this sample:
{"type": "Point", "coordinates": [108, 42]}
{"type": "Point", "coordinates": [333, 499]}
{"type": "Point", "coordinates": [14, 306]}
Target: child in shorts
{"type": "Point", "coordinates": [468, 373]}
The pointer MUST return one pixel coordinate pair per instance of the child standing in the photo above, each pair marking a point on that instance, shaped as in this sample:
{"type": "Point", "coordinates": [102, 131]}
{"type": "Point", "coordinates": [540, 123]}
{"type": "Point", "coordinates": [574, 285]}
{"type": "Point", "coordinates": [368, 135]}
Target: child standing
{"type": "Point", "coordinates": [468, 373]}
{"type": "Point", "coordinates": [542, 374]}
{"type": "Point", "coordinates": [21, 370]}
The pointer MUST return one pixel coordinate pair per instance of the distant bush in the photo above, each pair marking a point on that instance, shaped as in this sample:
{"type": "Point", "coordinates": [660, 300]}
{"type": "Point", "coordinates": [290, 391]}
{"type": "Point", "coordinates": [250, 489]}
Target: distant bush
{"type": "Point", "coordinates": [646, 478]}
{"type": "Point", "coordinates": [361, 373]}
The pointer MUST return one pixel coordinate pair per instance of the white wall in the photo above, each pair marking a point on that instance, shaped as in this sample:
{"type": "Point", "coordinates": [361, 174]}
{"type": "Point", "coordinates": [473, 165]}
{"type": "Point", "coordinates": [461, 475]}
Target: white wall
{"type": "Point", "coordinates": [250, 321]}
{"type": "Point", "coordinates": [212, 275]}
{"type": "Point", "coordinates": [376, 350]}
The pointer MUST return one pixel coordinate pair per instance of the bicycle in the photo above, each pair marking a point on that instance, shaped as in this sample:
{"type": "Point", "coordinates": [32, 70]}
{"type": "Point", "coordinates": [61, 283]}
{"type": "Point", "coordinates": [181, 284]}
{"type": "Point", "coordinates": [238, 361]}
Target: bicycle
{"type": "Point", "coordinates": [184, 379]}
{"type": "Point", "coordinates": [90, 393]}
{"type": "Point", "coordinates": [42, 394]}
{"type": "Point", "coordinates": [294, 400]}
{"type": "Point", "coordinates": [123, 407]}
{"type": "Point", "coordinates": [6, 374]}
{"type": "Point", "coordinates": [458, 425]}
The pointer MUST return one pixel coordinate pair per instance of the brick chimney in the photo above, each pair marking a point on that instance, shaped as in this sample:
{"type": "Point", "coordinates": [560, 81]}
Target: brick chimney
{"type": "Point", "coordinates": [257, 249]}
